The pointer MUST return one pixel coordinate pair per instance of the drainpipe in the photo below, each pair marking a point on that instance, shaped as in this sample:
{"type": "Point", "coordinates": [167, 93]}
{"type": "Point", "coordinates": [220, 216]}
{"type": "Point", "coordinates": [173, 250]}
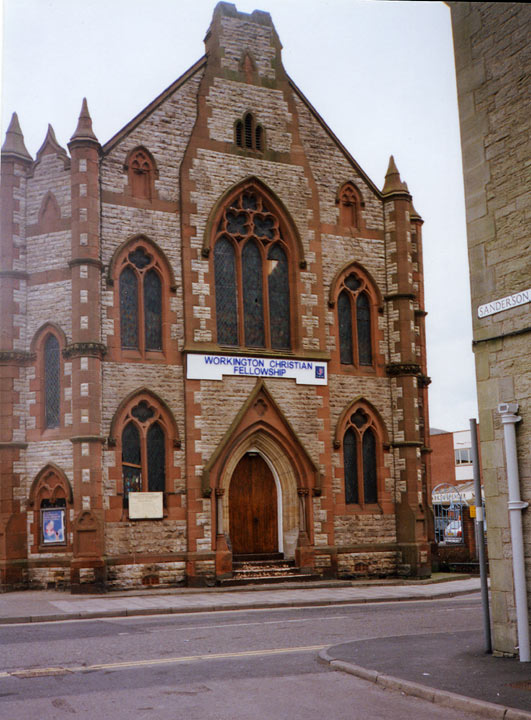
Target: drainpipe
{"type": "Point", "coordinates": [509, 419]}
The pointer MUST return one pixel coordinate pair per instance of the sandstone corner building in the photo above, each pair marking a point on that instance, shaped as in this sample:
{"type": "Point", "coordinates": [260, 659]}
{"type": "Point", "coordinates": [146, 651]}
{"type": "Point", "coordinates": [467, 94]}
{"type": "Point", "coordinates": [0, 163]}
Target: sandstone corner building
{"type": "Point", "coordinates": [213, 344]}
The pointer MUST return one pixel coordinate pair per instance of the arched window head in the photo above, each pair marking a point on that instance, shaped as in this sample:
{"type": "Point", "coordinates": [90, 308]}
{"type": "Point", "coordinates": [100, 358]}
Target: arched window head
{"type": "Point", "coordinates": [354, 315]}
{"type": "Point", "coordinates": [251, 271]}
{"type": "Point", "coordinates": [248, 133]}
{"type": "Point", "coordinates": [52, 382]}
{"type": "Point", "coordinates": [360, 459]}
{"type": "Point", "coordinates": [144, 442]}
{"type": "Point", "coordinates": [51, 498]}
{"type": "Point", "coordinates": [141, 173]}
{"type": "Point", "coordinates": [350, 204]}
{"type": "Point", "coordinates": [141, 294]}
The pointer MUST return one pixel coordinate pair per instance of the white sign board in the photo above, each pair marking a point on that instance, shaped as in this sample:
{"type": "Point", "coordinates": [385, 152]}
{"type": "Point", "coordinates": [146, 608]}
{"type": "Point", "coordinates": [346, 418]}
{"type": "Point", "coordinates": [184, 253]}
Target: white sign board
{"type": "Point", "coordinates": [496, 306]}
{"type": "Point", "coordinates": [213, 367]}
{"type": "Point", "coordinates": [145, 505]}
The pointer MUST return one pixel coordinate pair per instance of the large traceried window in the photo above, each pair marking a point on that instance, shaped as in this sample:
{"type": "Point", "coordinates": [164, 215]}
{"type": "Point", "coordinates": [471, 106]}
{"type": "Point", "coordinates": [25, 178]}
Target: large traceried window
{"type": "Point", "coordinates": [354, 321]}
{"type": "Point", "coordinates": [140, 290]}
{"type": "Point", "coordinates": [360, 459]}
{"type": "Point", "coordinates": [52, 382]}
{"type": "Point", "coordinates": [251, 271]}
{"type": "Point", "coordinates": [143, 450]}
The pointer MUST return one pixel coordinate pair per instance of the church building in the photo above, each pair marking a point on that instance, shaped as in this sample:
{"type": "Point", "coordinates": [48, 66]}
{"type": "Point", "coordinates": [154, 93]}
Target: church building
{"type": "Point", "coordinates": [212, 342]}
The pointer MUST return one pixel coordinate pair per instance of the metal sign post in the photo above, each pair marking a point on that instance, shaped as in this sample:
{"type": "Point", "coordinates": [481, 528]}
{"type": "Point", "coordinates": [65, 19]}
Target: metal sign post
{"type": "Point", "coordinates": [481, 536]}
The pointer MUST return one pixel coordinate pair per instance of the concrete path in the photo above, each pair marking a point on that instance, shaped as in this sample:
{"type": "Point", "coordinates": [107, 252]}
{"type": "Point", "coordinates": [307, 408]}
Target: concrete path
{"type": "Point", "coordinates": [42, 605]}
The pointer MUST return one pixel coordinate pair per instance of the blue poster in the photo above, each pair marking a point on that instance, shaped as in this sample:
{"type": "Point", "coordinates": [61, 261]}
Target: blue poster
{"type": "Point", "coordinates": [53, 525]}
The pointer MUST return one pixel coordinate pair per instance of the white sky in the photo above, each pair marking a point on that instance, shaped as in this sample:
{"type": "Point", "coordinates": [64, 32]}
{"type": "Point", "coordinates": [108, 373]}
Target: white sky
{"type": "Point", "coordinates": [381, 74]}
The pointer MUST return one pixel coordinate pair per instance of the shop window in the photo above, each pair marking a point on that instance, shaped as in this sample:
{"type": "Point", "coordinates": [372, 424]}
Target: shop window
{"type": "Point", "coordinates": [249, 134]}
{"type": "Point", "coordinates": [252, 275]}
{"type": "Point", "coordinates": [141, 292]}
{"type": "Point", "coordinates": [354, 313]}
{"type": "Point", "coordinates": [360, 459]}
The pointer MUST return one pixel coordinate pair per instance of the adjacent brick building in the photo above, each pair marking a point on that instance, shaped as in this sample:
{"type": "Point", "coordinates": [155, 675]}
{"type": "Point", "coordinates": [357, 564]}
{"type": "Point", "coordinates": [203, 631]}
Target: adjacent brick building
{"type": "Point", "coordinates": [493, 64]}
{"type": "Point", "coordinates": [214, 342]}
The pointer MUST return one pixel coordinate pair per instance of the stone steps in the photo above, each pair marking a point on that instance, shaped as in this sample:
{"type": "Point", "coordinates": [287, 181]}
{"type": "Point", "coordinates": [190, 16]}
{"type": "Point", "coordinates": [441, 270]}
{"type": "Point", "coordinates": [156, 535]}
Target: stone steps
{"type": "Point", "coordinates": [259, 570]}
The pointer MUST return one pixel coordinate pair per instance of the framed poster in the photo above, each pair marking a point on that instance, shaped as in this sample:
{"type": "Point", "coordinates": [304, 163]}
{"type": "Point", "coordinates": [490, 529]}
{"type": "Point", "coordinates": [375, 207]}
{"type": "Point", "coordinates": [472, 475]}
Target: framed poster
{"type": "Point", "coordinates": [53, 526]}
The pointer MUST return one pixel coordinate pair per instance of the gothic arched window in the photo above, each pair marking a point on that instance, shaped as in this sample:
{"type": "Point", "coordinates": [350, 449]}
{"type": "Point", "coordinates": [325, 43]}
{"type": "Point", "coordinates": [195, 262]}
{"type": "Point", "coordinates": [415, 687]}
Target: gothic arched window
{"type": "Point", "coordinates": [141, 300]}
{"type": "Point", "coordinates": [354, 321]}
{"type": "Point", "coordinates": [251, 272]}
{"type": "Point", "coordinates": [350, 204]}
{"type": "Point", "coordinates": [360, 459]}
{"type": "Point", "coordinates": [141, 173]}
{"type": "Point", "coordinates": [52, 382]}
{"type": "Point", "coordinates": [143, 450]}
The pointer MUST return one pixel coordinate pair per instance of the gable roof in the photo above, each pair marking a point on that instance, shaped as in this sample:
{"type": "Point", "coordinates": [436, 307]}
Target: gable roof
{"type": "Point", "coordinates": [132, 124]}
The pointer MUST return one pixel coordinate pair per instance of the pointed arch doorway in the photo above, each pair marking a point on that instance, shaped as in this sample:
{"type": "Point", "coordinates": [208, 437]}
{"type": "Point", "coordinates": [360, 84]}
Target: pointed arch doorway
{"type": "Point", "coordinates": [253, 507]}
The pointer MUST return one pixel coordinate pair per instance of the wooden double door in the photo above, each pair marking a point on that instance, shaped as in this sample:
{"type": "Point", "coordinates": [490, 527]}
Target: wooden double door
{"type": "Point", "coordinates": [253, 514]}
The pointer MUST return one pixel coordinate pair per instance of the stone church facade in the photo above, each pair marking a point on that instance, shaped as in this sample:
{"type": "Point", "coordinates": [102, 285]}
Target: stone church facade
{"type": "Point", "coordinates": [212, 341]}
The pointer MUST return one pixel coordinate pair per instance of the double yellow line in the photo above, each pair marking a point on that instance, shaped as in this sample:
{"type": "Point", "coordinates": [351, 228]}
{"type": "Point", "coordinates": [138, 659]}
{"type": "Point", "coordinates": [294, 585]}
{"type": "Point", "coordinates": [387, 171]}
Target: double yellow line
{"type": "Point", "coordinates": [47, 671]}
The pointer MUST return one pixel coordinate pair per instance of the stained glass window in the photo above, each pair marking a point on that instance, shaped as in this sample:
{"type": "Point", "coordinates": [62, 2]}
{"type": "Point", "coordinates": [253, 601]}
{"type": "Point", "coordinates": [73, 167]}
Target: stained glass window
{"type": "Point", "coordinates": [345, 328]}
{"type": "Point", "coordinates": [249, 202]}
{"type": "Point", "coordinates": [131, 467]}
{"type": "Point", "coordinates": [359, 419]}
{"type": "Point", "coordinates": [264, 226]}
{"type": "Point", "coordinates": [253, 309]}
{"type": "Point", "coordinates": [52, 382]}
{"type": "Point", "coordinates": [369, 467]}
{"type": "Point", "coordinates": [363, 319]}
{"type": "Point", "coordinates": [360, 460]}
{"type": "Point", "coordinates": [129, 308]}
{"type": "Point", "coordinates": [153, 310]}
{"type": "Point", "coordinates": [156, 458]}
{"type": "Point", "coordinates": [225, 279]}
{"type": "Point", "coordinates": [140, 258]}
{"type": "Point", "coordinates": [354, 322]}
{"type": "Point", "coordinates": [144, 451]}
{"type": "Point", "coordinates": [142, 411]}
{"type": "Point", "coordinates": [279, 311]}
{"type": "Point", "coordinates": [350, 462]}
{"type": "Point", "coordinates": [236, 223]}
{"type": "Point", "coordinates": [251, 271]}
{"type": "Point", "coordinates": [353, 283]}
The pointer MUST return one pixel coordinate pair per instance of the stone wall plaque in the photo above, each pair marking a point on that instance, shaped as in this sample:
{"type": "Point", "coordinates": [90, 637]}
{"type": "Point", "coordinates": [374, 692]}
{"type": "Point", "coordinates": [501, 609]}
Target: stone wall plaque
{"type": "Point", "coordinates": [145, 505]}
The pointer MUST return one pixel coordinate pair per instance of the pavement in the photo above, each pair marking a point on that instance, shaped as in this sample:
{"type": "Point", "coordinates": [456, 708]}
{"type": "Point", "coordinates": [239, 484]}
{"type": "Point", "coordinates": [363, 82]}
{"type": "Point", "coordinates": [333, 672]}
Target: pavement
{"type": "Point", "coordinates": [450, 669]}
